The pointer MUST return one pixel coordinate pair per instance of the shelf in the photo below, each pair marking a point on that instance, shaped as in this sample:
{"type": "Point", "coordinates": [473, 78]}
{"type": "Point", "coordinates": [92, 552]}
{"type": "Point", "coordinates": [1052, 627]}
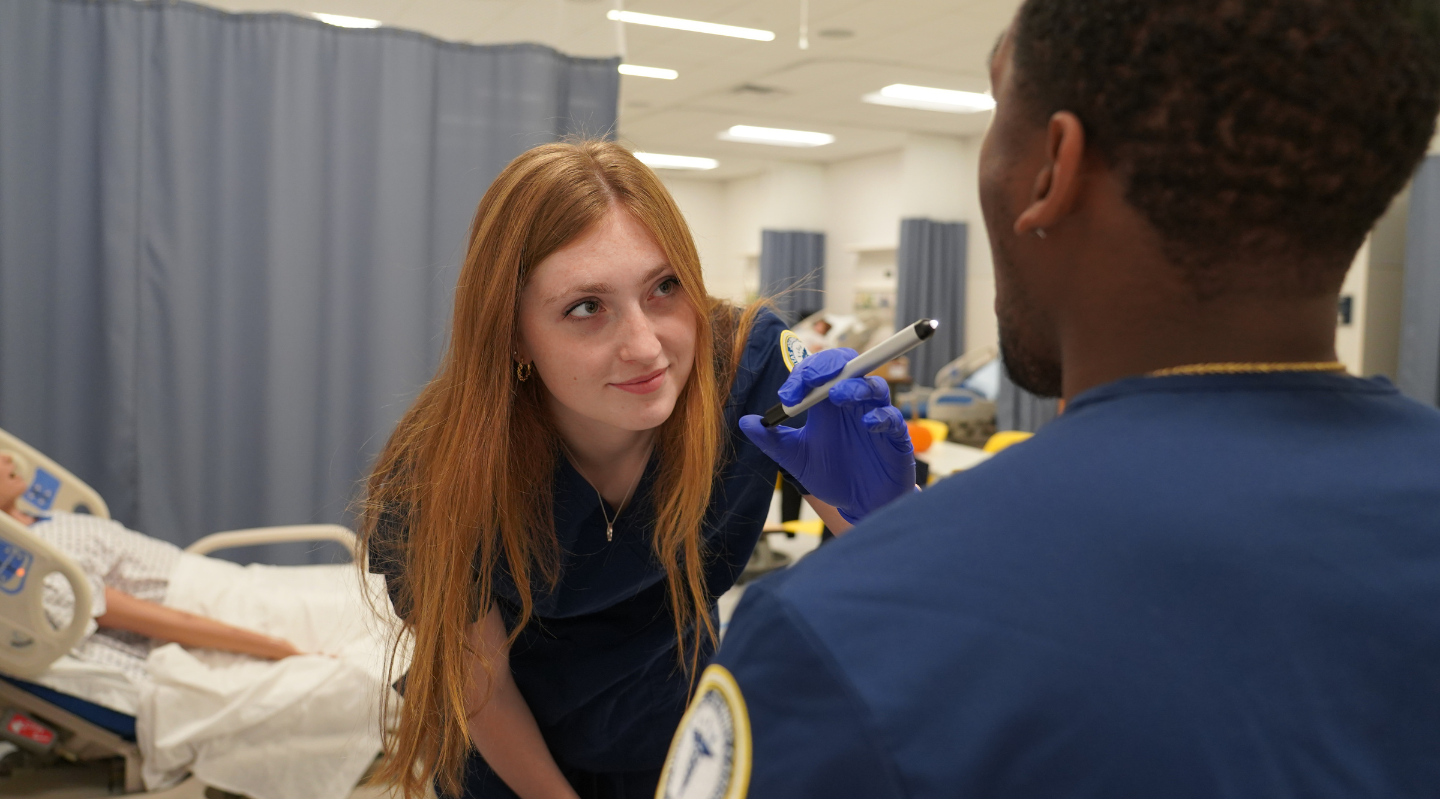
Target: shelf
{"type": "Point", "coordinates": [877, 248]}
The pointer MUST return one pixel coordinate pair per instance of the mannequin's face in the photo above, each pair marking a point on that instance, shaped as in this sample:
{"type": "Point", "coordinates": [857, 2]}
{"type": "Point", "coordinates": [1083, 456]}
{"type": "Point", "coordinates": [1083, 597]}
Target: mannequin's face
{"type": "Point", "coordinates": [12, 485]}
{"type": "Point", "coordinates": [608, 329]}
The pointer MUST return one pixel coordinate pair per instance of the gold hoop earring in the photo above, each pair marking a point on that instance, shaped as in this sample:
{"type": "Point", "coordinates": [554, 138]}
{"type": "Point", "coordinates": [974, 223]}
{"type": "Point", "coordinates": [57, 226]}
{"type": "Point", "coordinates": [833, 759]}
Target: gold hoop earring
{"type": "Point", "coordinates": [522, 371]}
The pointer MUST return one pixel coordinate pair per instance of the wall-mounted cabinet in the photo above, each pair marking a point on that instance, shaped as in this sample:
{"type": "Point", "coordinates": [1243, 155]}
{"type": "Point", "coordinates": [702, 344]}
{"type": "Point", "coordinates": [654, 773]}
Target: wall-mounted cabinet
{"type": "Point", "coordinates": [875, 275]}
{"type": "Point", "coordinates": [751, 271]}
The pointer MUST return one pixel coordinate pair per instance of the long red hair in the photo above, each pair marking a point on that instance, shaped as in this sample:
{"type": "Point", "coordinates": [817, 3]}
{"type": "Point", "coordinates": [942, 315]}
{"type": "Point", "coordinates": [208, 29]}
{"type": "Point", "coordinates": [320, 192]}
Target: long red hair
{"type": "Point", "coordinates": [470, 467]}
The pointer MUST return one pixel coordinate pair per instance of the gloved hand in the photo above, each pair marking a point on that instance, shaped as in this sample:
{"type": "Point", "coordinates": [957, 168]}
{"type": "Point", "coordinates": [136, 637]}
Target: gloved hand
{"type": "Point", "coordinates": [854, 451]}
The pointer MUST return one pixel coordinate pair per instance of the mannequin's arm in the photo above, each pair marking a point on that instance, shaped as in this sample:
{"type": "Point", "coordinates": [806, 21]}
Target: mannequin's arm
{"type": "Point", "coordinates": [125, 612]}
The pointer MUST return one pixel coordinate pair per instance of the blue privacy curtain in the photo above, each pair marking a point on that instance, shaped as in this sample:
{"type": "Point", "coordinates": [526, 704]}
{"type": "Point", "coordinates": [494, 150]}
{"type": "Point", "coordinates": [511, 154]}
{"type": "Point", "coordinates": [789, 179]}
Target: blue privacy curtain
{"type": "Point", "coordinates": [228, 242]}
{"type": "Point", "coordinates": [792, 271]}
{"type": "Point", "coordinates": [1419, 374]}
{"type": "Point", "coordinates": [931, 283]}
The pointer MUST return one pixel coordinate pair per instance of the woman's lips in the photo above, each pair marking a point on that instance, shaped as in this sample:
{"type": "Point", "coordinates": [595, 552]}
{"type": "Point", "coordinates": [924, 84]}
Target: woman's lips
{"type": "Point", "coordinates": [643, 384]}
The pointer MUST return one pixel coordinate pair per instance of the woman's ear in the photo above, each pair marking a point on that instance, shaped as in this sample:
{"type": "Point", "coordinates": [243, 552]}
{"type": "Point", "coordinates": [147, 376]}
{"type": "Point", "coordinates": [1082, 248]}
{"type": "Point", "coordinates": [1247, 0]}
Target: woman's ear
{"type": "Point", "coordinates": [1057, 186]}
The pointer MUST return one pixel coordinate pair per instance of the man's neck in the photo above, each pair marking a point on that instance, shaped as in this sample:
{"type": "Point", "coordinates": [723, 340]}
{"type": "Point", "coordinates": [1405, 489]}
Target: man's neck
{"type": "Point", "coordinates": [1111, 343]}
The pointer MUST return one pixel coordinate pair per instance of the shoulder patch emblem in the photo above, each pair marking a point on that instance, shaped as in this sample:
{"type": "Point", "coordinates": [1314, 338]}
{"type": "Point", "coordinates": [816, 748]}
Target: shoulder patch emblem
{"type": "Point", "coordinates": [710, 755]}
{"type": "Point", "coordinates": [792, 349]}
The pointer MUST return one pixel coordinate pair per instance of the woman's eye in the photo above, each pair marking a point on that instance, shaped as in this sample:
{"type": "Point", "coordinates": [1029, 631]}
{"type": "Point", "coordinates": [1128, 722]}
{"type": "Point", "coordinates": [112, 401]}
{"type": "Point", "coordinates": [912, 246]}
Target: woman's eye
{"type": "Point", "coordinates": [667, 287]}
{"type": "Point", "coordinates": [585, 310]}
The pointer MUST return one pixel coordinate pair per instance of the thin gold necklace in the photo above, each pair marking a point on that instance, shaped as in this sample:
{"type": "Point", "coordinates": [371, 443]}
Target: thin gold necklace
{"type": "Point", "coordinates": [1250, 368]}
{"type": "Point", "coordinates": [609, 522]}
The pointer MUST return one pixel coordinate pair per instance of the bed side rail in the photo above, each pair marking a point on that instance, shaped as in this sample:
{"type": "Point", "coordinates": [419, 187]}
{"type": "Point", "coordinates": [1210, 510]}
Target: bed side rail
{"type": "Point", "coordinates": [276, 535]}
{"type": "Point", "coordinates": [52, 486]}
{"type": "Point", "coordinates": [28, 642]}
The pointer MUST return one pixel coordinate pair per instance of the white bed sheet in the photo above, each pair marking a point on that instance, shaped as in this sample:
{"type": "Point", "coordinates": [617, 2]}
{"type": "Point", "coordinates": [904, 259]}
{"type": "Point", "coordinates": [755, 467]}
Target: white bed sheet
{"type": "Point", "coordinates": [101, 684]}
{"type": "Point", "coordinates": [301, 728]}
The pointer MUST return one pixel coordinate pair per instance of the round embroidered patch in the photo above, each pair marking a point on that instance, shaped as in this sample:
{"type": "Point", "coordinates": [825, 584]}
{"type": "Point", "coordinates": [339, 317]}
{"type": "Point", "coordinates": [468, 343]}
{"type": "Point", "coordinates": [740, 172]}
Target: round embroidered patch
{"type": "Point", "coordinates": [710, 755]}
{"type": "Point", "coordinates": [793, 349]}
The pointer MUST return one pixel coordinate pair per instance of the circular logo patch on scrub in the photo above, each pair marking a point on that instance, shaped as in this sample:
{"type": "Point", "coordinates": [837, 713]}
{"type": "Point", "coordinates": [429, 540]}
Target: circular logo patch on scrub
{"type": "Point", "coordinates": [710, 755]}
{"type": "Point", "coordinates": [793, 349]}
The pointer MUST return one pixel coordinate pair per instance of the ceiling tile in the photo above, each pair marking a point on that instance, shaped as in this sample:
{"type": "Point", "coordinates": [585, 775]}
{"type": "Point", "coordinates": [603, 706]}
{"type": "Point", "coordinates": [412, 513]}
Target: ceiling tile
{"type": "Point", "coordinates": [941, 43]}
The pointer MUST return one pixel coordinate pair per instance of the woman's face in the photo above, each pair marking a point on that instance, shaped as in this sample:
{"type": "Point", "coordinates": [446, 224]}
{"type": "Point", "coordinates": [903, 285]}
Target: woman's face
{"type": "Point", "coordinates": [608, 329]}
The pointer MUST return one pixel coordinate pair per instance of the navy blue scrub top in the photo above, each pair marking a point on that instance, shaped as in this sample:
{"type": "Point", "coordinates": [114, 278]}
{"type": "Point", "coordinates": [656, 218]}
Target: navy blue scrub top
{"type": "Point", "coordinates": [597, 663]}
{"type": "Point", "coordinates": [1189, 586]}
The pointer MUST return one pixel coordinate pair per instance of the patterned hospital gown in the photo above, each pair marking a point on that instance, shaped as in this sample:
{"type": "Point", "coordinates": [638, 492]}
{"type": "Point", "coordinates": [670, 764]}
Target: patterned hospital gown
{"type": "Point", "coordinates": [108, 555]}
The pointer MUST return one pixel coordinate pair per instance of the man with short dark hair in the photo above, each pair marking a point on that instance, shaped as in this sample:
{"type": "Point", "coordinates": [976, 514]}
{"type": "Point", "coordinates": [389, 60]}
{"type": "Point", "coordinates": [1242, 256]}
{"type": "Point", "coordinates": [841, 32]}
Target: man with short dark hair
{"type": "Point", "coordinates": [1218, 574]}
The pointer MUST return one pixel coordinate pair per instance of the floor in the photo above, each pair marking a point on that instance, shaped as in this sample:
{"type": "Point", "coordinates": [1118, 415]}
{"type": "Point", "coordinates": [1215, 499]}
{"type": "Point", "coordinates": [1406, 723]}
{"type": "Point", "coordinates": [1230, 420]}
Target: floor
{"type": "Point", "coordinates": [797, 547]}
{"type": "Point", "coordinates": [91, 781]}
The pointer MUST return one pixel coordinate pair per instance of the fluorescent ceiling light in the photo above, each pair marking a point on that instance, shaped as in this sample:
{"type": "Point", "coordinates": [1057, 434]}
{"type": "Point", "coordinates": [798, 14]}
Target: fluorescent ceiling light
{"type": "Point", "coordinates": [780, 136]}
{"type": "Point", "coordinates": [660, 161]}
{"type": "Point", "coordinates": [928, 99]}
{"type": "Point", "coordinates": [690, 25]}
{"type": "Point", "coordinates": [649, 72]}
{"type": "Point", "coordinates": [347, 22]}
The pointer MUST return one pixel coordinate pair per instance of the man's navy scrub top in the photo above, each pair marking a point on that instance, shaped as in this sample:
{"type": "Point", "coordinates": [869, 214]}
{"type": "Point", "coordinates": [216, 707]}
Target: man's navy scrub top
{"type": "Point", "coordinates": [597, 663]}
{"type": "Point", "coordinates": [1189, 586]}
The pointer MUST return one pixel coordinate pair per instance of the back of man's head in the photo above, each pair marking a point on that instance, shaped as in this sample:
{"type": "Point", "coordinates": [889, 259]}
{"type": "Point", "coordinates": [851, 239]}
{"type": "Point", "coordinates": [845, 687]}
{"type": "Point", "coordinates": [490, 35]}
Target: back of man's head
{"type": "Point", "coordinates": [1247, 131]}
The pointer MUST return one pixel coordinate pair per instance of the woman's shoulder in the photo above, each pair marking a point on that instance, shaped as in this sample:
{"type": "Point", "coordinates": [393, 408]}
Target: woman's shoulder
{"type": "Point", "coordinates": [767, 322]}
{"type": "Point", "coordinates": [763, 340]}
{"type": "Point", "coordinates": [761, 368]}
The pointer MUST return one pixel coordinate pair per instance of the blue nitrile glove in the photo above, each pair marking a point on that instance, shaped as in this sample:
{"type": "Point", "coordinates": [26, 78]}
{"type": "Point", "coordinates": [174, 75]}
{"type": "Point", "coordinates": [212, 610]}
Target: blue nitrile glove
{"type": "Point", "coordinates": [854, 451]}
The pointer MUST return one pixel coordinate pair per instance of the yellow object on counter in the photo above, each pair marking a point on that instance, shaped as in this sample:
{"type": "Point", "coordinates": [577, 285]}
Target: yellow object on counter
{"type": "Point", "coordinates": [805, 527]}
{"type": "Point", "coordinates": [939, 431]}
{"type": "Point", "coordinates": [1005, 439]}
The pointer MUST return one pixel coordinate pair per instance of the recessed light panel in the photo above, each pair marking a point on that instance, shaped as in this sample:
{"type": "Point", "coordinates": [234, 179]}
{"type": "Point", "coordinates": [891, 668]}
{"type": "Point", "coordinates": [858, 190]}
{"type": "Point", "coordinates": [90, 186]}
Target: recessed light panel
{"type": "Point", "coordinates": [662, 161]}
{"type": "Point", "coordinates": [926, 98]}
{"type": "Point", "coordinates": [695, 26]}
{"type": "Point", "coordinates": [347, 22]}
{"type": "Point", "coordinates": [648, 72]}
{"type": "Point", "coordinates": [778, 136]}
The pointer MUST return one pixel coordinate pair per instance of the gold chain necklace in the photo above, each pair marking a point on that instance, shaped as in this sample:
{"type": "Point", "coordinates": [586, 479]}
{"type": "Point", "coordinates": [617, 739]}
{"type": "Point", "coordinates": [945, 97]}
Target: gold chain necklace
{"type": "Point", "coordinates": [1250, 368]}
{"type": "Point", "coordinates": [609, 522]}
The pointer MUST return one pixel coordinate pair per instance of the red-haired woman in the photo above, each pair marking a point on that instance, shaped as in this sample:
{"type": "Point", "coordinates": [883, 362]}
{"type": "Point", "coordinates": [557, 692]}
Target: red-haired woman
{"type": "Point", "coordinates": [558, 511]}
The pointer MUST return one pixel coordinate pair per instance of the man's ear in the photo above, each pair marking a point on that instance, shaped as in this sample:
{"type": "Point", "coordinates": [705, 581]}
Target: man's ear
{"type": "Point", "coordinates": [1057, 186]}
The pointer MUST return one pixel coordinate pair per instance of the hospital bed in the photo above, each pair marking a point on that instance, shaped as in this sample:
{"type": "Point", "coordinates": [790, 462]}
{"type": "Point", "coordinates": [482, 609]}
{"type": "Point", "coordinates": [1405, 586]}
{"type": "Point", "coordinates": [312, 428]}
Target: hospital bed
{"type": "Point", "coordinates": [963, 398]}
{"type": "Point", "coordinates": [81, 730]}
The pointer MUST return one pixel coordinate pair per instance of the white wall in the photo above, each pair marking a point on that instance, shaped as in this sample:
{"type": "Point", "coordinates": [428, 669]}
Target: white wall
{"type": "Point", "coordinates": [703, 204]}
{"type": "Point", "coordinates": [858, 204]}
{"type": "Point", "coordinates": [932, 169]}
{"type": "Point", "coordinates": [726, 219]}
{"type": "Point", "coordinates": [745, 208]}
{"type": "Point", "coordinates": [1386, 291]}
{"type": "Point", "coordinates": [1350, 339]}
{"type": "Point", "coordinates": [1370, 345]}
{"type": "Point", "coordinates": [981, 327]}
{"type": "Point", "coordinates": [863, 214]}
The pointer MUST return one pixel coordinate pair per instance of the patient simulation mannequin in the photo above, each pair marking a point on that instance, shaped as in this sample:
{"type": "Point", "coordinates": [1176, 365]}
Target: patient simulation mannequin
{"type": "Point", "coordinates": [128, 574]}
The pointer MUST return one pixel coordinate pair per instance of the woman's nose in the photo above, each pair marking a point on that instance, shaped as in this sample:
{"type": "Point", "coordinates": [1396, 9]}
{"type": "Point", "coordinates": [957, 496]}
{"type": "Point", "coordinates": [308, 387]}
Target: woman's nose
{"type": "Point", "coordinates": [639, 342]}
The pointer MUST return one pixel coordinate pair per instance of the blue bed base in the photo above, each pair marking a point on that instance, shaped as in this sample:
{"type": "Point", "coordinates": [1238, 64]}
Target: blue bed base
{"type": "Point", "coordinates": [112, 720]}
